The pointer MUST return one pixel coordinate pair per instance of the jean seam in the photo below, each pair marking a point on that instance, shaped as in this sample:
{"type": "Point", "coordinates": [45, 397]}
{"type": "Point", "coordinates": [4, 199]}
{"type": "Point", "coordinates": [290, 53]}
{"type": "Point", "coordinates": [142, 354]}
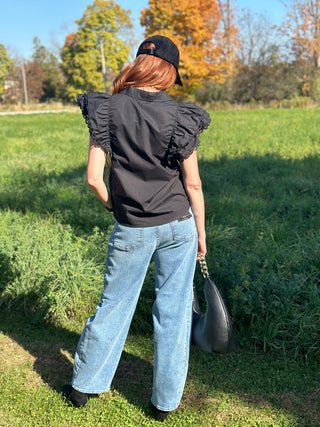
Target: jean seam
{"type": "Point", "coordinates": [157, 237]}
{"type": "Point", "coordinates": [186, 352]}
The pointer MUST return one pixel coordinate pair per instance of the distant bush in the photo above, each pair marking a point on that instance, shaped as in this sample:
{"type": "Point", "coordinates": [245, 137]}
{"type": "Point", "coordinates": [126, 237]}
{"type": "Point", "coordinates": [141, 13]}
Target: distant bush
{"type": "Point", "coordinates": [272, 84]}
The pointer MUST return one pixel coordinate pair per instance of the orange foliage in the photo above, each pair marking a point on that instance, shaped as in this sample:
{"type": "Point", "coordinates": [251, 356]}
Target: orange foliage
{"type": "Point", "coordinates": [194, 25]}
{"type": "Point", "coordinates": [304, 23]}
{"type": "Point", "coordinates": [70, 40]}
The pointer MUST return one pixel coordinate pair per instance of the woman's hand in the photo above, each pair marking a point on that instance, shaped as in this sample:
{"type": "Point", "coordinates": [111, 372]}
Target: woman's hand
{"type": "Point", "coordinates": [202, 247]}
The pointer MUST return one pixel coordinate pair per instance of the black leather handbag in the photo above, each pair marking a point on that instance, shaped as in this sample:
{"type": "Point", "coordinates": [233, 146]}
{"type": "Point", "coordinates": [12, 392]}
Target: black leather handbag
{"type": "Point", "coordinates": [211, 331]}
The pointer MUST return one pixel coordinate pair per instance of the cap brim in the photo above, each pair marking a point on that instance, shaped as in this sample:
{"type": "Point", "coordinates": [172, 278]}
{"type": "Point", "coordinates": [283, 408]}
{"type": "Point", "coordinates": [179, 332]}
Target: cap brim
{"type": "Point", "coordinates": [178, 80]}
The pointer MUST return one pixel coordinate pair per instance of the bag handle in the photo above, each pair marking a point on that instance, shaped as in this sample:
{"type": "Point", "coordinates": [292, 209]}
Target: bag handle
{"type": "Point", "coordinates": [203, 265]}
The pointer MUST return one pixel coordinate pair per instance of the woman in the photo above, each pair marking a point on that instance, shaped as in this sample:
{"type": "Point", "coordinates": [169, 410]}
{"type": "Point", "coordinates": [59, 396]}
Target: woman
{"type": "Point", "coordinates": [157, 200]}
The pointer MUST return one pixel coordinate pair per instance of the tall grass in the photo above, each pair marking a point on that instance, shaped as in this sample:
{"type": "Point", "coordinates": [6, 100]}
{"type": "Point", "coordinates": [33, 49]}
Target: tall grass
{"type": "Point", "coordinates": [260, 171]}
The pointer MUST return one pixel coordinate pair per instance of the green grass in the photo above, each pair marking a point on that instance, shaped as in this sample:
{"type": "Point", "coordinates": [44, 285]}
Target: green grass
{"type": "Point", "coordinates": [260, 171]}
{"type": "Point", "coordinates": [239, 389]}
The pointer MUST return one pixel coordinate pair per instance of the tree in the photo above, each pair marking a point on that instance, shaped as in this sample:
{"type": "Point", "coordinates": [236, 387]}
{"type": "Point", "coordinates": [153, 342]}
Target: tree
{"type": "Point", "coordinates": [194, 26]}
{"type": "Point", "coordinates": [304, 25]}
{"type": "Point", "coordinates": [263, 70]}
{"type": "Point", "coordinates": [35, 77]}
{"type": "Point", "coordinates": [259, 39]}
{"type": "Point", "coordinates": [6, 64]}
{"type": "Point", "coordinates": [227, 37]}
{"type": "Point", "coordinates": [53, 80]}
{"type": "Point", "coordinates": [265, 82]}
{"type": "Point", "coordinates": [103, 24]}
{"type": "Point", "coordinates": [14, 93]}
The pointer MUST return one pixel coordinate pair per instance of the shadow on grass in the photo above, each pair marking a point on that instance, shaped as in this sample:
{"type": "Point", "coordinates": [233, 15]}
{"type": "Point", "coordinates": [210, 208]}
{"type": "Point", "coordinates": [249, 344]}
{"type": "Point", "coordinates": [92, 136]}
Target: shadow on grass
{"type": "Point", "coordinates": [256, 380]}
{"type": "Point", "coordinates": [62, 195]}
{"type": "Point", "coordinates": [53, 348]}
{"type": "Point", "coordinates": [247, 186]}
{"type": "Point", "coordinates": [265, 185]}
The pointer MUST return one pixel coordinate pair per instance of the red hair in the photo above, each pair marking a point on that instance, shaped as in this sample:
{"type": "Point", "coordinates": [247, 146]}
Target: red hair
{"type": "Point", "coordinates": [146, 71]}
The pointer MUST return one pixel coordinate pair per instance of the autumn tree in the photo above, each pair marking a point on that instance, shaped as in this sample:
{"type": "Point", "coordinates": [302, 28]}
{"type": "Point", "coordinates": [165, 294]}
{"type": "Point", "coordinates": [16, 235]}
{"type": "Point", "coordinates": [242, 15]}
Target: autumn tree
{"type": "Point", "coordinates": [227, 39]}
{"type": "Point", "coordinates": [14, 92]}
{"type": "Point", "coordinates": [101, 35]}
{"type": "Point", "coordinates": [53, 78]}
{"type": "Point", "coordinates": [304, 24]}
{"type": "Point", "coordinates": [263, 71]}
{"type": "Point", "coordinates": [194, 25]}
{"type": "Point", "coordinates": [6, 64]}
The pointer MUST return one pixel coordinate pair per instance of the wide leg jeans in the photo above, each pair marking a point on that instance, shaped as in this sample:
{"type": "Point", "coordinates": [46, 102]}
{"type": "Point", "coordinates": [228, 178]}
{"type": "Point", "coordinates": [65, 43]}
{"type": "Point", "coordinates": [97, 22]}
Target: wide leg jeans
{"type": "Point", "coordinates": [173, 247]}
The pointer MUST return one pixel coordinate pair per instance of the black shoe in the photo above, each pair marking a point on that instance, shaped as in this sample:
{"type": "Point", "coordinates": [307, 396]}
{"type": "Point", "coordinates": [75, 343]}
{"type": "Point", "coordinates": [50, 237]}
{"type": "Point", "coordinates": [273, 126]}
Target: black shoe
{"type": "Point", "coordinates": [158, 414]}
{"type": "Point", "coordinates": [77, 398]}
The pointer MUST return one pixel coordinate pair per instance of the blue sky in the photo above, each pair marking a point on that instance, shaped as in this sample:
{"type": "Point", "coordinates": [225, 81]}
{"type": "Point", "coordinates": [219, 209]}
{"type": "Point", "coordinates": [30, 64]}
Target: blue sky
{"type": "Point", "coordinates": [51, 21]}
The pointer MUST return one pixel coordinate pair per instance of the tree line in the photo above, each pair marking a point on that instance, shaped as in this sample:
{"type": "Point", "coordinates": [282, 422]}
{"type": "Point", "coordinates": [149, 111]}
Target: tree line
{"type": "Point", "coordinates": [227, 54]}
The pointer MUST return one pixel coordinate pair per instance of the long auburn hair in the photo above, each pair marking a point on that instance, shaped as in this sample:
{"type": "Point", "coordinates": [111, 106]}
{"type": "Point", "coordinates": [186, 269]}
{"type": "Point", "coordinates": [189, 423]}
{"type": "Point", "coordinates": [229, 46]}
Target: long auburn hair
{"type": "Point", "coordinates": [146, 71]}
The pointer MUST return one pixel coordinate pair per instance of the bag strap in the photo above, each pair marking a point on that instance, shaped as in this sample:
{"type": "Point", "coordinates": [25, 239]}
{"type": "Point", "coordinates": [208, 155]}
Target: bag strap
{"type": "Point", "coordinates": [203, 265]}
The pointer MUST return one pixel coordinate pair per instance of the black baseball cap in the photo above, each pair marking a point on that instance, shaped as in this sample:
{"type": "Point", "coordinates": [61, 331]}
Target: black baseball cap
{"type": "Point", "coordinates": [164, 49]}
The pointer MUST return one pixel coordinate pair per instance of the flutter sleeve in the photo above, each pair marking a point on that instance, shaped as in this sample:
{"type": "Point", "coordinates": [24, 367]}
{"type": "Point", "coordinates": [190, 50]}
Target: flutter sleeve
{"type": "Point", "coordinates": [191, 121]}
{"type": "Point", "coordinates": [95, 110]}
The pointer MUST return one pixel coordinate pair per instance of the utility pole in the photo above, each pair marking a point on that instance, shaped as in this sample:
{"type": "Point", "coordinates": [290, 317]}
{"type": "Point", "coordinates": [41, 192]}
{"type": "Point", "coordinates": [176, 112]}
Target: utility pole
{"type": "Point", "coordinates": [103, 66]}
{"type": "Point", "coordinates": [24, 80]}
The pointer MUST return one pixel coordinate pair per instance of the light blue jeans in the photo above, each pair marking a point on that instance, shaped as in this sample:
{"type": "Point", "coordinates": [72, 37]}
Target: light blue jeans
{"type": "Point", "coordinates": [173, 247]}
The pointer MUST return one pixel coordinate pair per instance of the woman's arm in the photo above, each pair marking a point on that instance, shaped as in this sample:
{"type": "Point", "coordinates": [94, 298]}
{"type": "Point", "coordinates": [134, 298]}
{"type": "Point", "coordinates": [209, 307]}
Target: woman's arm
{"type": "Point", "coordinates": [95, 172]}
{"type": "Point", "coordinates": [192, 184]}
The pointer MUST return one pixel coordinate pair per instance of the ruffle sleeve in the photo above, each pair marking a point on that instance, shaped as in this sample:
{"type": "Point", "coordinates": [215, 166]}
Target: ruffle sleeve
{"type": "Point", "coordinates": [95, 110]}
{"type": "Point", "coordinates": [191, 121]}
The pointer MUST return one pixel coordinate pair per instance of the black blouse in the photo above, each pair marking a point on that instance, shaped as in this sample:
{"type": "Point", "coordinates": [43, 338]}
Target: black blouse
{"type": "Point", "coordinates": [147, 134]}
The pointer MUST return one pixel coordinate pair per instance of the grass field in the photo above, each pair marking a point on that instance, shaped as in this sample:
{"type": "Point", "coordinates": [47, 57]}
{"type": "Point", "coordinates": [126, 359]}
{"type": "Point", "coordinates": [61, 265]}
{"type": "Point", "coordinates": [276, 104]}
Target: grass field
{"type": "Point", "coordinates": [260, 172]}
